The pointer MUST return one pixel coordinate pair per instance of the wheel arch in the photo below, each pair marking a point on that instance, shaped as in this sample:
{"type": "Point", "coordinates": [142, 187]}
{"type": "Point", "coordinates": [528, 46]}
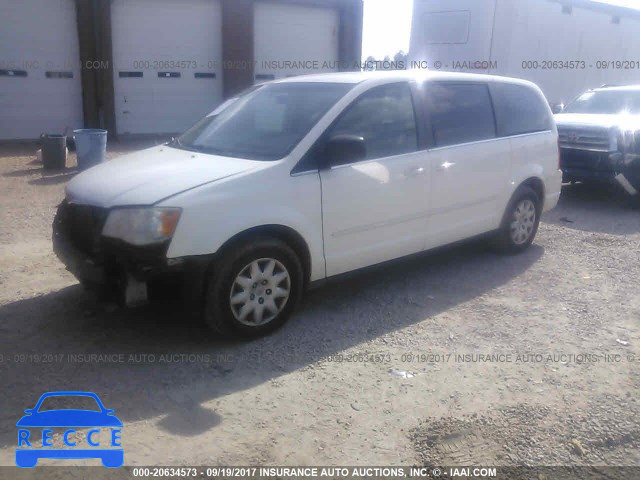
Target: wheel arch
{"type": "Point", "coordinates": [281, 232]}
{"type": "Point", "coordinates": [537, 185]}
{"type": "Point", "coordinates": [532, 182]}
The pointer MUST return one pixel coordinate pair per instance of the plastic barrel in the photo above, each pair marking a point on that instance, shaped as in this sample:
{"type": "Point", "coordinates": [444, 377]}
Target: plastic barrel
{"type": "Point", "coordinates": [91, 147]}
{"type": "Point", "coordinates": [54, 151]}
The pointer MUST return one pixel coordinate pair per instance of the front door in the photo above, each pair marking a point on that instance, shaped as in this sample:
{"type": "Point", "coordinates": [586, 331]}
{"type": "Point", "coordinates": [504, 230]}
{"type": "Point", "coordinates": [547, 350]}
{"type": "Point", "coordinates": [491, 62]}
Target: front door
{"type": "Point", "coordinates": [376, 209]}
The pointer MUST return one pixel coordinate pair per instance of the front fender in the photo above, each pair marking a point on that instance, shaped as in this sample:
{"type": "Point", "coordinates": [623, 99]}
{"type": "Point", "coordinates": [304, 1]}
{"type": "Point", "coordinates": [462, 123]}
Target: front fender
{"type": "Point", "coordinates": [213, 215]}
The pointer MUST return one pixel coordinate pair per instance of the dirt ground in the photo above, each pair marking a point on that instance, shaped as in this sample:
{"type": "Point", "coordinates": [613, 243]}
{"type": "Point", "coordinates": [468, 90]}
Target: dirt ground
{"type": "Point", "coordinates": [462, 357]}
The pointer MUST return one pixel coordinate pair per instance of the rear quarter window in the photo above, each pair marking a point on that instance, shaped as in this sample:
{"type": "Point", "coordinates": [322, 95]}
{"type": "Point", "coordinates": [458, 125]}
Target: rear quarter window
{"type": "Point", "coordinates": [519, 110]}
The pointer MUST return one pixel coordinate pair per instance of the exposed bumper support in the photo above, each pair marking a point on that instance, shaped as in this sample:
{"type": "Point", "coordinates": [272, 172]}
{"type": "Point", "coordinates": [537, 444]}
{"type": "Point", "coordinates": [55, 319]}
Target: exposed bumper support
{"type": "Point", "coordinates": [136, 292]}
{"type": "Point", "coordinates": [622, 180]}
{"type": "Point", "coordinates": [628, 167]}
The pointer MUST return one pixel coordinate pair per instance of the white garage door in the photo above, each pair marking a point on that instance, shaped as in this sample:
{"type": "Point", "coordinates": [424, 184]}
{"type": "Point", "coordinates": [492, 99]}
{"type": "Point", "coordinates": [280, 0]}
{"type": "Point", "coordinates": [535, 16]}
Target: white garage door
{"type": "Point", "coordinates": [294, 40]}
{"type": "Point", "coordinates": [40, 86]}
{"type": "Point", "coordinates": [167, 63]}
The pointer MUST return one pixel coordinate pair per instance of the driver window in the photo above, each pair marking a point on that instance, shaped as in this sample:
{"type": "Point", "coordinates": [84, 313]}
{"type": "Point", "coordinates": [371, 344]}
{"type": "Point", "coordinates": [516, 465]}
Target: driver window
{"type": "Point", "coordinates": [384, 116]}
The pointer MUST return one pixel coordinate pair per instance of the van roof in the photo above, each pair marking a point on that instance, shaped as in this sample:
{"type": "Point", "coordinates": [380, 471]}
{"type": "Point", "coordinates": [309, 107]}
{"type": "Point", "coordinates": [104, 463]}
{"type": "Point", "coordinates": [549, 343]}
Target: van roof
{"type": "Point", "coordinates": [400, 75]}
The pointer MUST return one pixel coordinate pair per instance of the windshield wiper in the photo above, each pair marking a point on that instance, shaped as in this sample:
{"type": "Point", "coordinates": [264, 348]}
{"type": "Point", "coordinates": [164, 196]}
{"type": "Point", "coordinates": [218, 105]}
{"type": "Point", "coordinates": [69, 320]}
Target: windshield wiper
{"type": "Point", "coordinates": [177, 143]}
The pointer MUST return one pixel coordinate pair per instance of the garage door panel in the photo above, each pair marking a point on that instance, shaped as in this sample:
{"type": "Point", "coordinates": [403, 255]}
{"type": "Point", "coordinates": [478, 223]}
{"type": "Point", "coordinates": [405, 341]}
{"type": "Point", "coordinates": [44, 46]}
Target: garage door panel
{"type": "Point", "coordinates": [294, 33]}
{"type": "Point", "coordinates": [28, 104]}
{"type": "Point", "coordinates": [134, 107]}
{"type": "Point", "coordinates": [39, 36]}
{"type": "Point", "coordinates": [154, 36]}
{"type": "Point", "coordinates": [313, 48]}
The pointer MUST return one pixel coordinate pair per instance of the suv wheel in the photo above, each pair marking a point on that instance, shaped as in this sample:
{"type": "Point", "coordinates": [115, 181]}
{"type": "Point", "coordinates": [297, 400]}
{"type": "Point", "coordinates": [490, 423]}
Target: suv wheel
{"type": "Point", "coordinates": [254, 289]}
{"type": "Point", "coordinates": [520, 222]}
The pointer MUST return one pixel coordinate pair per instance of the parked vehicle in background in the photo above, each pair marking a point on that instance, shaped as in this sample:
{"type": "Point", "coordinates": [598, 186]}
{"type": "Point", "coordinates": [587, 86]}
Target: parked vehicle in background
{"type": "Point", "coordinates": [311, 177]}
{"type": "Point", "coordinates": [600, 137]}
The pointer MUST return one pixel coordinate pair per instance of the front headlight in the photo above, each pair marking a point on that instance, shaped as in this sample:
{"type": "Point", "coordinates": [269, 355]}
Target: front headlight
{"type": "Point", "coordinates": [142, 226]}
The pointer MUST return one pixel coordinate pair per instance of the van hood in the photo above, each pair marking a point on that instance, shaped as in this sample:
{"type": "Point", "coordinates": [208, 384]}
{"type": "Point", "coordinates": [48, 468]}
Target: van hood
{"type": "Point", "coordinates": [151, 175]}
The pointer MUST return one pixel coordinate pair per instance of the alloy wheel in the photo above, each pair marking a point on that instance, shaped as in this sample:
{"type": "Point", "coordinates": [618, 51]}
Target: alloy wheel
{"type": "Point", "coordinates": [260, 292]}
{"type": "Point", "coordinates": [523, 222]}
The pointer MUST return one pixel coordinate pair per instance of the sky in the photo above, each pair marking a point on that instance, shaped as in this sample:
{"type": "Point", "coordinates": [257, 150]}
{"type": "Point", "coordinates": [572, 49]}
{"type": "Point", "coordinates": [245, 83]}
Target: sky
{"type": "Point", "coordinates": [387, 25]}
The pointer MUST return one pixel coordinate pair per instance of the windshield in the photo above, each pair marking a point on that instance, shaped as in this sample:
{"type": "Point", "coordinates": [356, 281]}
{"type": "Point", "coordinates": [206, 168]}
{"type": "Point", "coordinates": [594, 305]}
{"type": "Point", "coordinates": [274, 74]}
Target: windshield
{"type": "Point", "coordinates": [606, 102]}
{"type": "Point", "coordinates": [265, 124]}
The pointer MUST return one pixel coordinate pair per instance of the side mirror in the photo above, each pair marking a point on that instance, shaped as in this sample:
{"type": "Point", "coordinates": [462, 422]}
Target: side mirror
{"type": "Point", "coordinates": [343, 149]}
{"type": "Point", "coordinates": [557, 108]}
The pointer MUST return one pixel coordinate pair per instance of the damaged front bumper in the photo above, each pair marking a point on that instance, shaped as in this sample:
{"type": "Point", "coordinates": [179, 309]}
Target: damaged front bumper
{"type": "Point", "coordinates": [101, 262]}
{"type": "Point", "coordinates": [588, 166]}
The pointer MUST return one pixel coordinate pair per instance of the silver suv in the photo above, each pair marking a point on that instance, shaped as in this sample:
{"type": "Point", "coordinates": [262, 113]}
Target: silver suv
{"type": "Point", "coordinates": [599, 136]}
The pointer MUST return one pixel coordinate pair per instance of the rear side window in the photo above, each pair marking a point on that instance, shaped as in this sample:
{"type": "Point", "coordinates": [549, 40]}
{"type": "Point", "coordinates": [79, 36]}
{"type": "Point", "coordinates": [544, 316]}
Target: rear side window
{"type": "Point", "coordinates": [519, 110]}
{"type": "Point", "coordinates": [384, 116]}
{"type": "Point", "coordinates": [459, 112]}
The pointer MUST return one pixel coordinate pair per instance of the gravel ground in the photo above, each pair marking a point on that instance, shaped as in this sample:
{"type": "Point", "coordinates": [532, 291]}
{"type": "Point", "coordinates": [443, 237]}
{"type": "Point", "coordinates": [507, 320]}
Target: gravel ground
{"type": "Point", "coordinates": [459, 357]}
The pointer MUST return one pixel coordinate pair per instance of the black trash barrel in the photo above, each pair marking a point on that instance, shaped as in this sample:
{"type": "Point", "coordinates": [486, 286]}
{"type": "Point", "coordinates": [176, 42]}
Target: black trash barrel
{"type": "Point", "coordinates": [54, 151]}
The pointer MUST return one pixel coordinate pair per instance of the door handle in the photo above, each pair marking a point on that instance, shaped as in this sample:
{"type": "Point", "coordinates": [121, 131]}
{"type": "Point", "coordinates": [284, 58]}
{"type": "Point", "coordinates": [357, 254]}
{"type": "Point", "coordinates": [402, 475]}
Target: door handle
{"type": "Point", "coordinates": [415, 171]}
{"type": "Point", "coordinates": [444, 167]}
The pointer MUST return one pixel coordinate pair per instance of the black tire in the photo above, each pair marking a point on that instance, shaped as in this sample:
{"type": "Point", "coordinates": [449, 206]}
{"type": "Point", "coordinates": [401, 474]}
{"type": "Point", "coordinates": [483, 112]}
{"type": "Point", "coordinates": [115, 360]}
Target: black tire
{"type": "Point", "coordinates": [218, 313]}
{"type": "Point", "coordinates": [504, 240]}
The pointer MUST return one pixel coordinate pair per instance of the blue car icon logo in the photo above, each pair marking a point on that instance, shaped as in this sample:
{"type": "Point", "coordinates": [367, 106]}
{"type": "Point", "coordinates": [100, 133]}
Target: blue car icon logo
{"type": "Point", "coordinates": [70, 419]}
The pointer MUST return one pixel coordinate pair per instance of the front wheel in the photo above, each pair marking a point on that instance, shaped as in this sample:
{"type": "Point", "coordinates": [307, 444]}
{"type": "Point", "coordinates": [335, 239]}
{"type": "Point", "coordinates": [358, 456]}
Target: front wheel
{"type": "Point", "coordinates": [254, 289]}
{"type": "Point", "coordinates": [520, 222]}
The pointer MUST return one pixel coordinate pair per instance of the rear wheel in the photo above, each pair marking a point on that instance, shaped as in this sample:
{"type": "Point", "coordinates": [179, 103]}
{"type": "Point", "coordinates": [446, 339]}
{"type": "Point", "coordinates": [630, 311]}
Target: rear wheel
{"type": "Point", "coordinates": [520, 222]}
{"type": "Point", "coordinates": [254, 288]}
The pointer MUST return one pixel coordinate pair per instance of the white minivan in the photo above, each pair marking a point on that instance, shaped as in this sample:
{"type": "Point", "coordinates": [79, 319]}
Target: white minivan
{"type": "Point", "coordinates": [310, 177]}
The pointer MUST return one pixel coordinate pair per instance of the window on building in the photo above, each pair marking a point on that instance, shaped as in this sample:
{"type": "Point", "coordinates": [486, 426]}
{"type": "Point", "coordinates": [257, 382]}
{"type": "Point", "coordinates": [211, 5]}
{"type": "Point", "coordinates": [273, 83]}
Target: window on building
{"type": "Point", "coordinates": [446, 27]}
{"type": "Point", "coordinates": [460, 112]}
